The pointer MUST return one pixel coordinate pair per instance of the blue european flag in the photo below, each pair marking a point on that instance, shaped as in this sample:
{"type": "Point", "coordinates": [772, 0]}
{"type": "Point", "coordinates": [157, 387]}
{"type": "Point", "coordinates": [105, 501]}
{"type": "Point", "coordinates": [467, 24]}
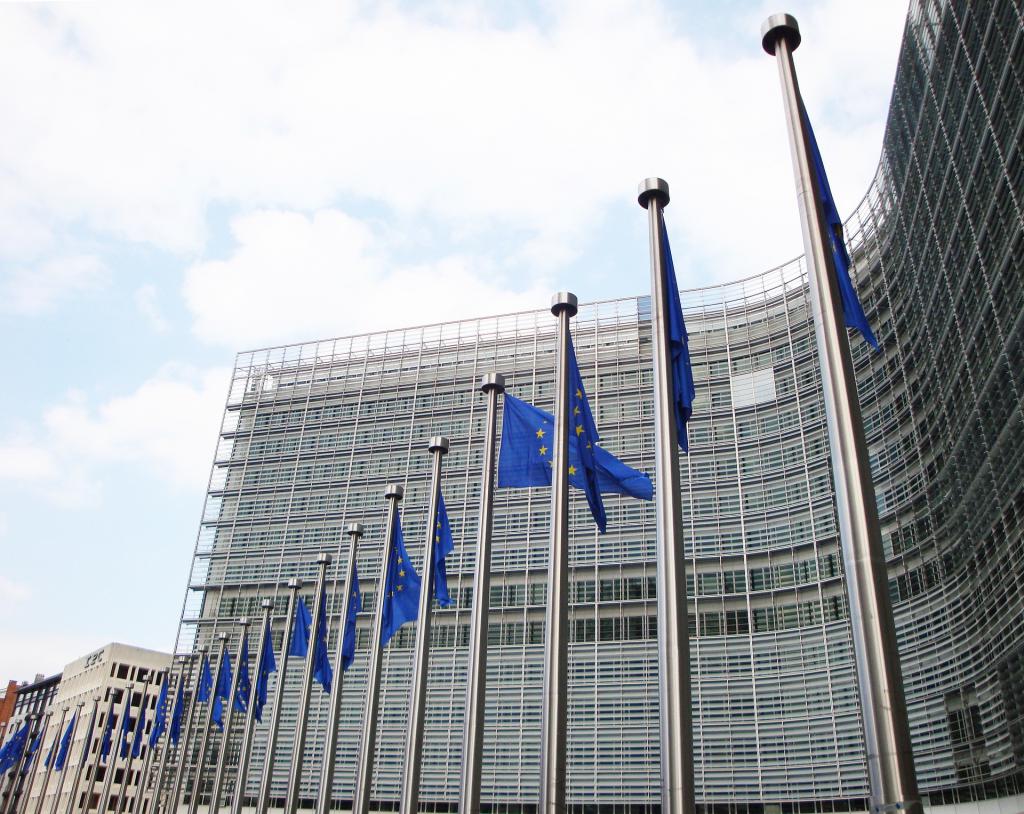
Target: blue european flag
{"type": "Point", "coordinates": [107, 741]}
{"type": "Point", "coordinates": [140, 729]}
{"type": "Point", "coordinates": [321, 662]}
{"type": "Point", "coordinates": [244, 688]}
{"type": "Point", "coordinates": [222, 692]}
{"type": "Point", "coordinates": [525, 458]}
{"type": "Point", "coordinates": [65, 745]}
{"type": "Point", "coordinates": [444, 544]}
{"type": "Point", "coordinates": [205, 681]}
{"type": "Point", "coordinates": [12, 750]}
{"type": "Point", "coordinates": [179, 712]}
{"type": "Point", "coordinates": [401, 589]}
{"type": "Point", "coordinates": [853, 313]}
{"type": "Point", "coordinates": [37, 744]}
{"type": "Point", "coordinates": [583, 434]}
{"type": "Point", "coordinates": [266, 666]}
{"type": "Point", "coordinates": [299, 644]}
{"type": "Point", "coordinates": [126, 727]}
{"type": "Point", "coordinates": [355, 604]}
{"type": "Point", "coordinates": [160, 717]}
{"type": "Point", "coordinates": [683, 391]}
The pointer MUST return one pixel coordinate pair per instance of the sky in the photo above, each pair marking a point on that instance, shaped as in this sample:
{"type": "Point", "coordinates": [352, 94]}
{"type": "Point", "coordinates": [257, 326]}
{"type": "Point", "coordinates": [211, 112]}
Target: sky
{"type": "Point", "coordinates": [181, 182]}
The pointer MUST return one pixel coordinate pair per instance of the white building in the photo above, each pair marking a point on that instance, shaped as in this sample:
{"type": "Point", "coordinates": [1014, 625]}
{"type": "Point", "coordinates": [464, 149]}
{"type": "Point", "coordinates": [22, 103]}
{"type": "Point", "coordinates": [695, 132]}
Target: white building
{"type": "Point", "coordinates": [95, 680]}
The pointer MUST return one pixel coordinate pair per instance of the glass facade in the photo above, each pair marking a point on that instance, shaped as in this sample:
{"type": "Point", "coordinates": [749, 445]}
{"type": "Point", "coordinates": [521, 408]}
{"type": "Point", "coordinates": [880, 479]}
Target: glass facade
{"type": "Point", "coordinates": [311, 433]}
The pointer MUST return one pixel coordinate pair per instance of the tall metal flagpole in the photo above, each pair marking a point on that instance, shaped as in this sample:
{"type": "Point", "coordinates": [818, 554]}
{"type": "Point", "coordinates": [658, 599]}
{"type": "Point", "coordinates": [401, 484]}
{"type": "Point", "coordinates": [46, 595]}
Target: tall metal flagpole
{"type": "Point", "coordinates": [238, 798]}
{"type": "Point", "coordinates": [291, 803]}
{"type": "Point", "coordinates": [677, 792]}
{"type": "Point", "coordinates": [12, 787]}
{"type": "Point", "coordinates": [96, 767]}
{"type": "Point", "coordinates": [393, 492]}
{"type": "Point", "coordinates": [883, 706]}
{"type": "Point", "coordinates": [161, 772]}
{"type": "Point", "coordinates": [122, 803]}
{"type": "Point", "coordinates": [115, 751]}
{"type": "Point", "coordinates": [190, 719]}
{"type": "Point", "coordinates": [83, 757]}
{"type": "Point", "coordinates": [147, 761]}
{"type": "Point", "coordinates": [63, 773]}
{"type": "Point", "coordinates": [493, 384]}
{"type": "Point", "coordinates": [354, 531]}
{"type": "Point", "coordinates": [421, 655]}
{"type": "Point", "coordinates": [197, 781]}
{"type": "Point", "coordinates": [275, 718]}
{"type": "Point", "coordinates": [26, 788]}
{"type": "Point", "coordinates": [225, 738]}
{"type": "Point", "coordinates": [556, 644]}
{"type": "Point", "coordinates": [53, 759]}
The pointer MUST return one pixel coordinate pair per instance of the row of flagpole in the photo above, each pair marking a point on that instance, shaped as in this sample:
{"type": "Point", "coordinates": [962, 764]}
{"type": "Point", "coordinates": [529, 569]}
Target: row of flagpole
{"type": "Point", "coordinates": [575, 459]}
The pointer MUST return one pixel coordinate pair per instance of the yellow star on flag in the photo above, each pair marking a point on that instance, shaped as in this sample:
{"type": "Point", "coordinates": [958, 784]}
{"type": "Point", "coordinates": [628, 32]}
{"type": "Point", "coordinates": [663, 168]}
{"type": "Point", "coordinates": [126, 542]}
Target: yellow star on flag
{"type": "Point", "coordinates": [543, 450]}
{"type": "Point", "coordinates": [540, 433]}
{"type": "Point", "coordinates": [579, 429]}
{"type": "Point", "coordinates": [572, 470]}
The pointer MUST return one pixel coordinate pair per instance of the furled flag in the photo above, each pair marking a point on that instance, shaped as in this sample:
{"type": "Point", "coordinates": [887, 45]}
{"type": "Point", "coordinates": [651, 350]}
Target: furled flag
{"type": "Point", "coordinates": [683, 391]}
{"type": "Point", "coordinates": [853, 313]}
{"type": "Point", "coordinates": [37, 743]}
{"type": "Point", "coordinates": [65, 745]}
{"type": "Point", "coordinates": [444, 544]}
{"type": "Point", "coordinates": [321, 662]}
{"type": "Point", "coordinates": [140, 728]}
{"type": "Point", "coordinates": [355, 604]}
{"type": "Point", "coordinates": [525, 458]}
{"type": "Point", "coordinates": [244, 688]}
{"type": "Point", "coordinates": [205, 681]}
{"type": "Point", "coordinates": [126, 726]}
{"type": "Point", "coordinates": [266, 666]}
{"type": "Point", "coordinates": [401, 588]}
{"type": "Point", "coordinates": [12, 750]}
{"type": "Point", "coordinates": [179, 712]}
{"type": "Point", "coordinates": [107, 740]}
{"type": "Point", "coordinates": [299, 644]}
{"type": "Point", "coordinates": [160, 718]}
{"type": "Point", "coordinates": [50, 751]}
{"type": "Point", "coordinates": [222, 692]}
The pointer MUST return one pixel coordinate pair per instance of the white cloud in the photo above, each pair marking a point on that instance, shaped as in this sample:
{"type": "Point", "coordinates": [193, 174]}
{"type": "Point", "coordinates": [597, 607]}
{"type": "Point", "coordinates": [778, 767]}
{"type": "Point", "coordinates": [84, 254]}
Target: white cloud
{"type": "Point", "coordinates": [146, 302]}
{"type": "Point", "coordinates": [11, 591]}
{"type": "Point", "coordinates": [293, 277]}
{"type": "Point", "coordinates": [35, 288]}
{"type": "Point", "coordinates": [137, 117]}
{"type": "Point", "coordinates": [21, 460]}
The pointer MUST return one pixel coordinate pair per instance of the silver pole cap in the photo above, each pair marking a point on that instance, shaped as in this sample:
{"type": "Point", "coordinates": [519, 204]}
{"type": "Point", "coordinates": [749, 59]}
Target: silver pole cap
{"type": "Point", "coordinates": [492, 381]}
{"type": "Point", "coordinates": [223, 637]}
{"type": "Point", "coordinates": [439, 444]}
{"type": "Point", "coordinates": [323, 558]}
{"type": "Point", "coordinates": [564, 301]}
{"type": "Point", "coordinates": [354, 529]}
{"type": "Point", "coordinates": [244, 621]}
{"type": "Point", "coordinates": [656, 188]}
{"type": "Point", "coordinates": [395, 490]}
{"type": "Point", "coordinates": [295, 583]}
{"type": "Point", "coordinates": [266, 603]}
{"type": "Point", "coordinates": [780, 26]}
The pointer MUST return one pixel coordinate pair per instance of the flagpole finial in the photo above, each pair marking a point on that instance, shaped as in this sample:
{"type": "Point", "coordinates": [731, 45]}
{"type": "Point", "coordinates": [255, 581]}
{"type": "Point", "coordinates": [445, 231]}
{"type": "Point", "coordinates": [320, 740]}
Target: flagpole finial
{"type": "Point", "coordinates": [323, 558]}
{"type": "Point", "coordinates": [295, 583]}
{"type": "Point", "coordinates": [222, 637]}
{"type": "Point", "coordinates": [564, 301]}
{"type": "Point", "coordinates": [244, 621]}
{"type": "Point", "coordinates": [439, 444]}
{"type": "Point", "coordinates": [395, 490]}
{"type": "Point", "coordinates": [653, 188]}
{"type": "Point", "coordinates": [266, 603]}
{"type": "Point", "coordinates": [780, 26]}
{"type": "Point", "coordinates": [492, 381]}
{"type": "Point", "coordinates": [354, 529]}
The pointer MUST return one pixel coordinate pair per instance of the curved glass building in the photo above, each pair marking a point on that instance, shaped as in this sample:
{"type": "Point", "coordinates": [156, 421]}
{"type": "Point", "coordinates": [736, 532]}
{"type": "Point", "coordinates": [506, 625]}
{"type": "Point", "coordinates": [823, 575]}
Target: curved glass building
{"type": "Point", "coordinates": [312, 433]}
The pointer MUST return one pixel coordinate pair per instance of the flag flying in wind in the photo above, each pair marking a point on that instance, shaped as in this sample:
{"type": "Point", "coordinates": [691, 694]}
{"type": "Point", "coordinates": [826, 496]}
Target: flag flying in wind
{"type": "Point", "coordinates": [178, 713]}
{"type": "Point", "coordinates": [222, 692]}
{"type": "Point", "coordinates": [401, 588]}
{"type": "Point", "coordinates": [683, 391]}
{"type": "Point", "coordinates": [321, 662]}
{"type": "Point", "coordinates": [853, 313]}
{"type": "Point", "coordinates": [299, 645]}
{"type": "Point", "coordinates": [244, 688]}
{"type": "Point", "coordinates": [583, 434]}
{"type": "Point", "coordinates": [355, 604]}
{"type": "Point", "coordinates": [160, 718]}
{"type": "Point", "coordinates": [205, 681]}
{"type": "Point", "coordinates": [108, 730]}
{"type": "Point", "coordinates": [525, 458]}
{"type": "Point", "coordinates": [12, 750]}
{"type": "Point", "coordinates": [266, 666]}
{"type": "Point", "coordinates": [65, 745]}
{"type": "Point", "coordinates": [140, 728]}
{"type": "Point", "coordinates": [444, 544]}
